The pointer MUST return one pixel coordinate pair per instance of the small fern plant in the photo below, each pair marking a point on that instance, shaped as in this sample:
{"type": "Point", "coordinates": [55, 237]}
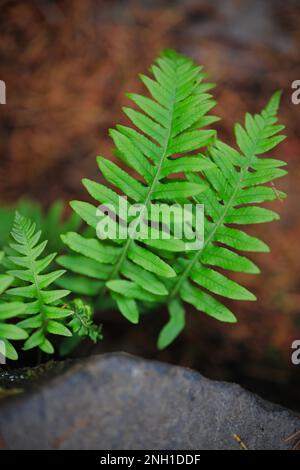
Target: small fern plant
{"type": "Point", "coordinates": [43, 314]}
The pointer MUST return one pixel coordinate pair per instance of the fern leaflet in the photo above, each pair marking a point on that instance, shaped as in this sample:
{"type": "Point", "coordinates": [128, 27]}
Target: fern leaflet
{"type": "Point", "coordinates": [9, 310]}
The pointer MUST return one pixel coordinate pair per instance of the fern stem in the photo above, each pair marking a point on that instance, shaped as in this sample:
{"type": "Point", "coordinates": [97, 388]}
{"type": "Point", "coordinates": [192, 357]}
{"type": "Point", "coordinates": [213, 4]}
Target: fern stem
{"type": "Point", "coordinates": [35, 280]}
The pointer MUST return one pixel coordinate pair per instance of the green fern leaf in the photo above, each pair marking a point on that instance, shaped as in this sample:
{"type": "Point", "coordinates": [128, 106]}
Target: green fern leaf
{"type": "Point", "coordinates": [5, 282]}
{"type": "Point", "coordinates": [128, 307]}
{"type": "Point", "coordinates": [174, 326]}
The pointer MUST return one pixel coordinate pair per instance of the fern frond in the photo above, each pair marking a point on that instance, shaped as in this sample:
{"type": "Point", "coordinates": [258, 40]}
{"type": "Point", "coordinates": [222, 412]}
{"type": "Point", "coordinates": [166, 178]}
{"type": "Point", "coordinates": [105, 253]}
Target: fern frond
{"type": "Point", "coordinates": [42, 312]}
{"type": "Point", "coordinates": [166, 140]}
{"type": "Point", "coordinates": [236, 186]}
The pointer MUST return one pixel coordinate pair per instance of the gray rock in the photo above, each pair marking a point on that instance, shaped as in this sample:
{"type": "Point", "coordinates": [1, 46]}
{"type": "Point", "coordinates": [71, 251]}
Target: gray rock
{"type": "Point", "coordinates": [122, 402]}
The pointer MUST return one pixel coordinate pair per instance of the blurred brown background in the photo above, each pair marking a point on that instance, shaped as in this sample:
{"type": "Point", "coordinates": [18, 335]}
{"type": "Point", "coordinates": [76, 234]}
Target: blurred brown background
{"type": "Point", "coordinates": [67, 65]}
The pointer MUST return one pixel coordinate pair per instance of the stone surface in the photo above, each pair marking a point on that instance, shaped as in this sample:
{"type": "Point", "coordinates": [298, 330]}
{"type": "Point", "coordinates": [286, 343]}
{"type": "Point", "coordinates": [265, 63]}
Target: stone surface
{"type": "Point", "coordinates": [122, 402]}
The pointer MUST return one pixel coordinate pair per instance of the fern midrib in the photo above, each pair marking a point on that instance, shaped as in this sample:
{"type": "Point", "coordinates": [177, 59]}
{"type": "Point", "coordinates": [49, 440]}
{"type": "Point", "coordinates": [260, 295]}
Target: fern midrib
{"type": "Point", "coordinates": [210, 238]}
{"type": "Point", "coordinates": [37, 287]}
{"type": "Point", "coordinates": [153, 184]}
